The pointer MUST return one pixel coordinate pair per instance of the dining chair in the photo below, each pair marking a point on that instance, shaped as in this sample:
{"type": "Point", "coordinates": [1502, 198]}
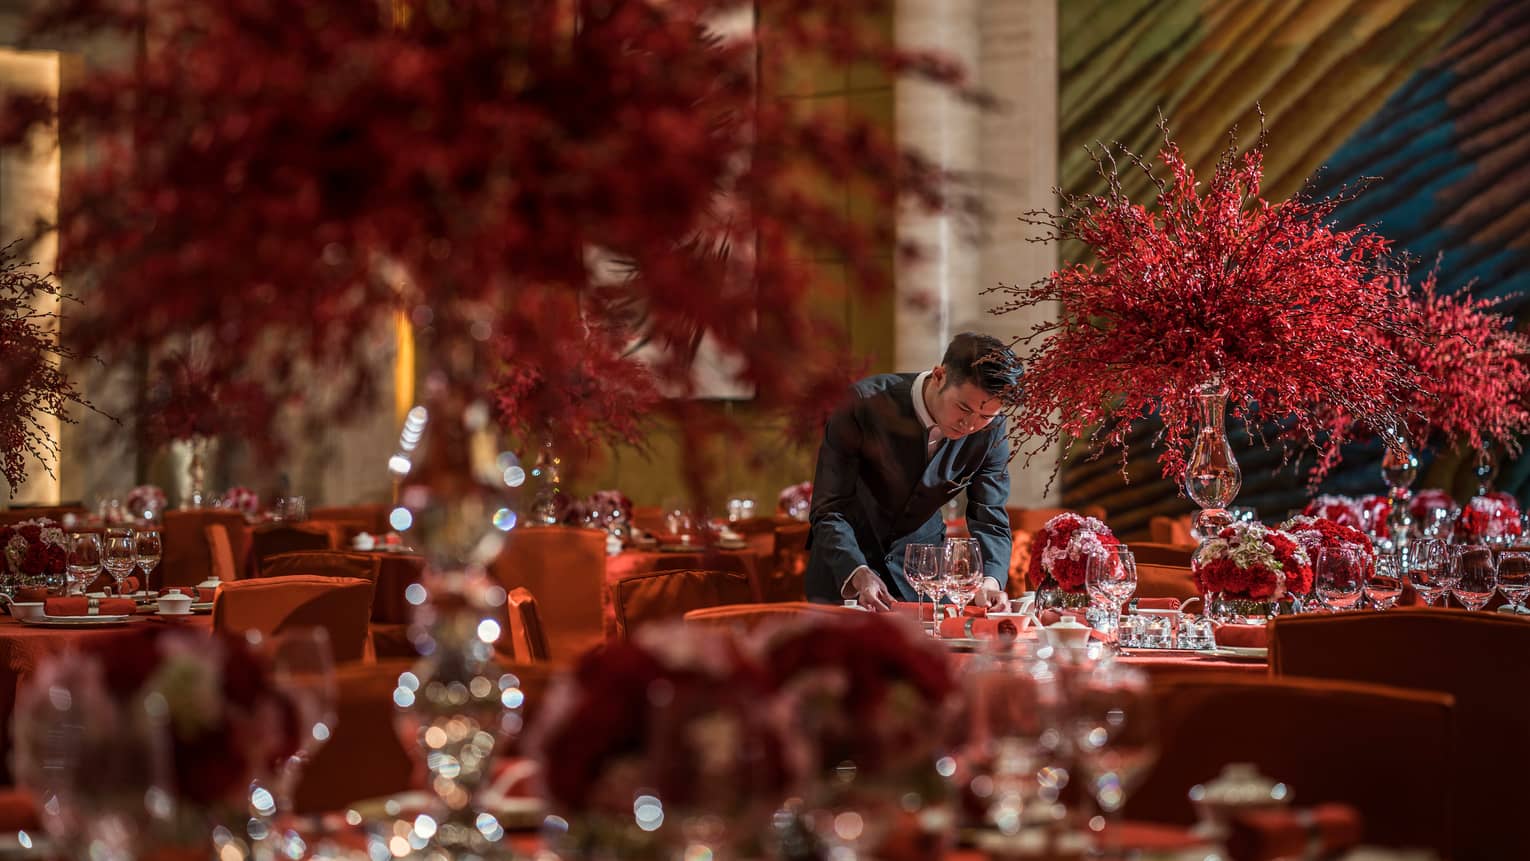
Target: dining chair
{"type": "Point", "coordinates": [324, 563]}
{"type": "Point", "coordinates": [1477, 658]}
{"type": "Point", "coordinates": [1382, 749]}
{"type": "Point", "coordinates": [527, 640]}
{"type": "Point", "coordinates": [186, 558]}
{"type": "Point", "coordinates": [341, 606]}
{"type": "Point", "coordinates": [787, 574]}
{"type": "Point", "coordinates": [272, 539]}
{"type": "Point", "coordinates": [1165, 581]}
{"type": "Point", "coordinates": [368, 518]}
{"type": "Point", "coordinates": [1032, 519]}
{"type": "Point", "coordinates": [1171, 530]}
{"type": "Point", "coordinates": [747, 617]}
{"type": "Point", "coordinates": [660, 596]}
{"type": "Point", "coordinates": [1158, 553]}
{"type": "Point", "coordinates": [565, 567]}
{"type": "Point", "coordinates": [220, 553]}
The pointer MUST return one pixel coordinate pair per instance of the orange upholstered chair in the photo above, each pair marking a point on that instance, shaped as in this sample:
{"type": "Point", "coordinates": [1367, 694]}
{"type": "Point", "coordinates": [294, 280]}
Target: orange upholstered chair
{"type": "Point", "coordinates": [1154, 553]}
{"type": "Point", "coordinates": [367, 518]}
{"type": "Point", "coordinates": [1032, 519]}
{"type": "Point", "coordinates": [325, 563]}
{"type": "Point", "coordinates": [270, 605]}
{"type": "Point", "coordinates": [668, 595]}
{"type": "Point", "coordinates": [1171, 530]}
{"type": "Point", "coordinates": [565, 567]}
{"type": "Point", "coordinates": [1165, 581]}
{"type": "Point", "coordinates": [747, 617]}
{"type": "Point", "coordinates": [220, 552]}
{"type": "Point", "coordinates": [267, 541]}
{"type": "Point", "coordinates": [784, 581]}
{"type": "Point", "coordinates": [1328, 741]}
{"type": "Point", "coordinates": [187, 558]}
{"type": "Point", "coordinates": [527, 639]}
{"type": "Point", "coordinates": [1479, 658]}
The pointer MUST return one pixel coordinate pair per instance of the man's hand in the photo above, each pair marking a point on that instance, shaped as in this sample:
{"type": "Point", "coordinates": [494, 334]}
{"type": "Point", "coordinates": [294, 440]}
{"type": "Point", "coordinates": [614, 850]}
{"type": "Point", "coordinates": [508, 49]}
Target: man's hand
{"type": "Point", "coordinates": [869, 590]}
{"type": "Point", "coordinates": [991, 596]}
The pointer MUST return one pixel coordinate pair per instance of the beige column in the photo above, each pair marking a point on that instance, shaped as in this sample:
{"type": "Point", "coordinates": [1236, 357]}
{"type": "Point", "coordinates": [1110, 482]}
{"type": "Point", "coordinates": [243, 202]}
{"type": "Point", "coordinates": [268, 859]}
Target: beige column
{"type": "Point", "coordinates": [1019, 153]}
{"type": "Point", "coordinates": [937, 296]}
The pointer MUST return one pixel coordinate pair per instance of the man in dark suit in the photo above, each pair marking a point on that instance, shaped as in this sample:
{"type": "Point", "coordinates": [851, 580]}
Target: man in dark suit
{"type": "Point", "coordinates": [901, 448]}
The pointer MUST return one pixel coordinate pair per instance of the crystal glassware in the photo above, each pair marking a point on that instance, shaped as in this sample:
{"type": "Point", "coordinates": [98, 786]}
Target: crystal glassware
{"type": "Point", "coordinates": [962, 571]}
{"type": "Point", "coordinates": [1113, 732]}
{"type": "Point", "coordinates": [302, 666]}
{"type": "Point", "coordinates": [1016, 707]}
{"type": "Point", "coordinates": [1475, 577]}
{"type": "Point", "coordinates": [1111, 580]}
{"type": "Point", "coordinates": [1514, 577]}
{"type": "Point", "coordinates": [921, 565]}
{"type": "Point", "coordinates": [84, 561]}
{"type": "Point", "coordinates": [1384, 585]}
{"type": "Point", "coordinates": [1212, 475]}
{"type": "Point", "coordinates": [119, 556]}
{"type": "Point", "coordinates": [1339, 577]}
{"type": "Point", "coordinates": [1429, 569]}
{"type": "Point", "coordinates": [148, 547]}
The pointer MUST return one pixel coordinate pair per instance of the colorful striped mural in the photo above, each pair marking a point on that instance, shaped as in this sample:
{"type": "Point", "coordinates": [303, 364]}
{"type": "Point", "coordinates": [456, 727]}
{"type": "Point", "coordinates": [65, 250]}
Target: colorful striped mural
{"type": "Point", "coordinates": [1430, 96]}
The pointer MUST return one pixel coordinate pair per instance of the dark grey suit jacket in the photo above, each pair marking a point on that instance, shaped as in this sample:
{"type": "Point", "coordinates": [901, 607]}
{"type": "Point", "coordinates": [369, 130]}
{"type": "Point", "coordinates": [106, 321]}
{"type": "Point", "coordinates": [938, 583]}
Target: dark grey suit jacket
{"type": "Point", "coordinates": [873, 492]}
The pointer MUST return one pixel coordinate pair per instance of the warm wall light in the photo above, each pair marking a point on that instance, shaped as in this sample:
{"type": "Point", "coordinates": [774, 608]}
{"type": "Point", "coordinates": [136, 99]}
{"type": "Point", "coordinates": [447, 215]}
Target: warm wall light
{"type": "Point", "coordinates": [403, 366]}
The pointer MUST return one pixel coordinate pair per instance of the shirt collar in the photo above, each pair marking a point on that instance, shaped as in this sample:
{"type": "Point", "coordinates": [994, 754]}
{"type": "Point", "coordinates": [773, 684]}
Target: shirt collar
{"type": "Point", "coordinates": [920, 410]}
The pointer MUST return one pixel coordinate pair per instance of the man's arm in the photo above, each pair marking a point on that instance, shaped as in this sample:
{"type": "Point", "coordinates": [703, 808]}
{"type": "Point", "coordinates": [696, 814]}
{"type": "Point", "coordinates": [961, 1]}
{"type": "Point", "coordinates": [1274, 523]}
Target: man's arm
{"type": "Point", "coordinates": [987, 519]}
{"type": "Point", "coordinates": [834, 482]}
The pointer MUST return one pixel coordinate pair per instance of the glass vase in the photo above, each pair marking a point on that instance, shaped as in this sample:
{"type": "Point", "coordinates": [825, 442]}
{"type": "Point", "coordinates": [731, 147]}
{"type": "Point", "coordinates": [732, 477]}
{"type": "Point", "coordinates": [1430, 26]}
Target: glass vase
{"type": "Point", "coordinates": [1212, 475]}
{"type": "Point", "coordinates": [1236, 610]}
{"type": "Point", "coordinates": [196, 471]}
{"type": "Point", "coordinates": [547, 471]}
{"type": "Point", "coordinates": [1050, 595]}
{"type": "Point", "coordinates": [1399, 467]}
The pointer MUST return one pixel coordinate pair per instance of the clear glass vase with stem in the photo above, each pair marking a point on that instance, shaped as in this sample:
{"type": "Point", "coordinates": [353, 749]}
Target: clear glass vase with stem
{"type": "Point", "coordinates": [1399, 468]}
{"type": "Point", "coordinates": [1212, 475]}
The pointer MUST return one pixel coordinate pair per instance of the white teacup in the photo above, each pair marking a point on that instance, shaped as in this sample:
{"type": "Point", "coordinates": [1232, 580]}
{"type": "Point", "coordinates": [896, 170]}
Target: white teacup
{"type": "Point", "coordinates": [1068, 633]}
{"type": "Point", "coordinates": [174, 604]}
{"type": "Point", "coordinates": [27, 609]}
{"type": "Point", "coordinates": [1023, 604]}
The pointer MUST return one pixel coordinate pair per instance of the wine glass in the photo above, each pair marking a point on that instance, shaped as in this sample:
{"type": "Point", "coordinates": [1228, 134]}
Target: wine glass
{"type": "Point", "coordinates": [1113, 733]}
{"type": "Point", "coordinates": [1475, 576]}
{"type": "Point", "coordinates": [1015, 712]}
{"type": "Point", "coordinates": [1514, 577]}
{"type": "Point", "coordinates": [921, 565]}
{"type": "Point", "coordinates": [1339, 577]}
{"type": "Point", "coordinates": [119, 556]}
{"type": "Point", "coordinates": [84, 561]}
{"type": "Point", "coordinates": [1111, 579]}
{"type": "Point", "coordinates": [147, 545]}
{"type": "Point", "coordinates": [1429, 569]}
{"type": "Point", "coordinates": [962, 571]}
{"type": "Point", "coordinates": [1384, 585]}
{"type": "Point", "coordinates": [303, 668]}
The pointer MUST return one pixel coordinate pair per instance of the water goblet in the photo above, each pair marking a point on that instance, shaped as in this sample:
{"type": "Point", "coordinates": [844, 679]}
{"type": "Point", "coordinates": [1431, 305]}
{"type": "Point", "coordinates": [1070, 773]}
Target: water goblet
{"type": "Point", "coordinates": [1339, 577]}
{"type": "Point", "coordinates": [1475, 576]}
{"type": "Point", "coordinates": [962, 571]}
{"type": "Point", "coordinates": [1429, 569]}
{"type": "Point", "coordinates": [149, 548]}
{"type": "Point", "coordinates": [1111, 580]}
{"type": "Point", "coordinates": [119, 556]}
{"type": "Point", "coordinates": [1384, 585]}
{"type": "Point", "coordinates": [84, 561]}
{"type": "Point", "coordinates": [1514, 577]}
{"type": "Point", "coordinates": [1113, 733]}
{"type": "Point", "coordinates": [921, 565]}
{"type": "Point", "coordinates": [302, 667]}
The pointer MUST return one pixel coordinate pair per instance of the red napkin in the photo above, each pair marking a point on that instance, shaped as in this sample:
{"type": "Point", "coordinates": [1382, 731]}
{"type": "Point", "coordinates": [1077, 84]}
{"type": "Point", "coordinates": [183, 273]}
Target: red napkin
{"type": "Point", "coordinates": [1242, 636]}
{"type": "Point", "coordinates": [78, 606]}
{"type": "Point", "coordinates": [1157, 603]}
{"type": "Point", "coordinates": [973, 610]}
{"type": "Point", "coordinates": [1269, 834]}
{"type": "Point", "coordinates": [982, 628]}
{"type": "Point", "coordinates": [198, 594]}
{"type": "Point", "coordinates": [924, 612]}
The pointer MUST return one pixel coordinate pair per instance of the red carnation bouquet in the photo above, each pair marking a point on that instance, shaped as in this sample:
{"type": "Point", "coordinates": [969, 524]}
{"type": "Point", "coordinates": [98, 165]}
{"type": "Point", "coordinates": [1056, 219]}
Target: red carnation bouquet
{"type": "Point", "coordinates": [1321, 534]}
{"type": "Point", "coordinates": [1250, 561]}
{"type": "Point", "coordinates": [35, 551]}
{"type": "Point", "coordinates": [1375, 512]}
{"type": "Point", "coordinates": [1339, 509]}
{"type": "Point", "coordinates": [796, 500]}
{"type": "Point", "coordinates": [1431, 507]}
{"type": "Point", "coordinates": [1061, 550]}
{"type": "Point", "coordinates": [1490, 518]}
{"type": "Point", "coordinates": [145, 502]}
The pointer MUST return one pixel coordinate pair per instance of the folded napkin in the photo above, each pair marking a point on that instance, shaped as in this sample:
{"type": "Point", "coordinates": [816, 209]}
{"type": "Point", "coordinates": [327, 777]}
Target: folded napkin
{"type": "Point", "coordinates": [78, 606]}
{"type": "Point", "coordinates": [1322, 831]}
{"type": "Point", "coordinates": [923, 611]}
{"type": "Point", "coordinates": [129, 586]}
{"type": "Point", "coordinates": [1242, 636]}
{"type": "Point", "coordinates": [983, 628]}
{"type": "Point", "coordinates": [1157, 603]}
{"type": "Point", "coordinates": [973, 610]}
{"type": "Point", "coordinates": [199, 594]}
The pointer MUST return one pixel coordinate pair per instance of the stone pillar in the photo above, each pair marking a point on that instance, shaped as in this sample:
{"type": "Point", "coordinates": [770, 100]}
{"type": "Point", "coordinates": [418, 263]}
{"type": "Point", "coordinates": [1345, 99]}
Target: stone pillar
{"type": "Point", "coordinates": [936, 297]}
{"type": "Point", "coordinates": [1018, 148]}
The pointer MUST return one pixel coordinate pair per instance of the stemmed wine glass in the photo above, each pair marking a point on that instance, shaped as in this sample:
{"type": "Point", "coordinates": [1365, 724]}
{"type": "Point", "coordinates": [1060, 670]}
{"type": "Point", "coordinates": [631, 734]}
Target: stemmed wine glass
{"type": "Point", "coordinates": [1384, 585]}
{"type": "Point", "coordinates": [149, 547]}
{"type": "Point", "coordinates": [962, 571]}
{"type": "Point", "coordinates": [1111, 579]}
{"type": "Point", "coordinates": [1514, 577]}
{"type": "Point", "coordinates": [1475, 576]}
{"type": "Point", "coordinates": [1339, 577]}
{"type": "Point", "coordinates": [303, 667]}
{"type": "Point", "coordinates": [1113, 733]}
{"type": "Point", "coordinates": [921, 565]}
{"type": "Point", "coordinates": [84, 561]}
{"type": "Point", "coordinates": [119, 556]}
{"type": "Point", "coordinates": [1429, 569]}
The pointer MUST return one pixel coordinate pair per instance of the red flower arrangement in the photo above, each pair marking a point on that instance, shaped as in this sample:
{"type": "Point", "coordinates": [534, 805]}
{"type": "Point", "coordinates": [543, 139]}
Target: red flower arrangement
{"type": "Point", "coordinates": [145, 501]}
{"type": "Point", "coordinates": [1430, 499]}
{"type": "Point", "coordinates": [1375, 509]}
{"type": "Point", "coordinates": [1320, 533]}
{"type": "Point", "coordinates": [241, 499]}
{"type": "Point", "coordinates": [525, 181]}
{"type": "Point", "coordinates": [603, 504]}
{"type": "Point", "coordinates": [32, 384]}
{"type": "Point", "coordinates": [796, 500]}
{"type": "Point", "coordinates": [868, 690]}
{"type": "Point", "coordinates": [186, 400]}
{"type": "Point", "coordinates": [1338, 509]}
{"type": "Point", "coordinates": [1252, 562]}
{"type": "Point", "coordinates": [1489, 518]}
{"type": "Point", "coordinates": [1063, 547]}
{"type": "Point", "coordinates": [34, 550]}
{"type": "Point", "coordinates": [1222, 287]}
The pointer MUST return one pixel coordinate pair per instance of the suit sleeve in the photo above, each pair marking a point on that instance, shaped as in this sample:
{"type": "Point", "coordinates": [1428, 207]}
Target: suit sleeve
{"type": "Point", "coordinates": [834, 498]}
{"type": "Point", "coordinates": [987, 519]}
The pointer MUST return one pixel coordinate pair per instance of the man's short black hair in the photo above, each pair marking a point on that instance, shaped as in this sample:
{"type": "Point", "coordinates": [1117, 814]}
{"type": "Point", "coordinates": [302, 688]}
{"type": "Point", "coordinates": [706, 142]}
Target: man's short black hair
{"type": "Point", "coordinates": [973, 357]}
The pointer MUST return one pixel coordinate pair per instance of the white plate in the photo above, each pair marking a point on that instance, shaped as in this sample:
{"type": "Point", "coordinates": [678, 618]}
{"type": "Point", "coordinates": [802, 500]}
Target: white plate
{"type": "Point", "coordinates": [77, 621]}
{"type": "Point", "coordinates": [515, 813]}
{"type": "Point", "coordinates": [1239, 653]}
